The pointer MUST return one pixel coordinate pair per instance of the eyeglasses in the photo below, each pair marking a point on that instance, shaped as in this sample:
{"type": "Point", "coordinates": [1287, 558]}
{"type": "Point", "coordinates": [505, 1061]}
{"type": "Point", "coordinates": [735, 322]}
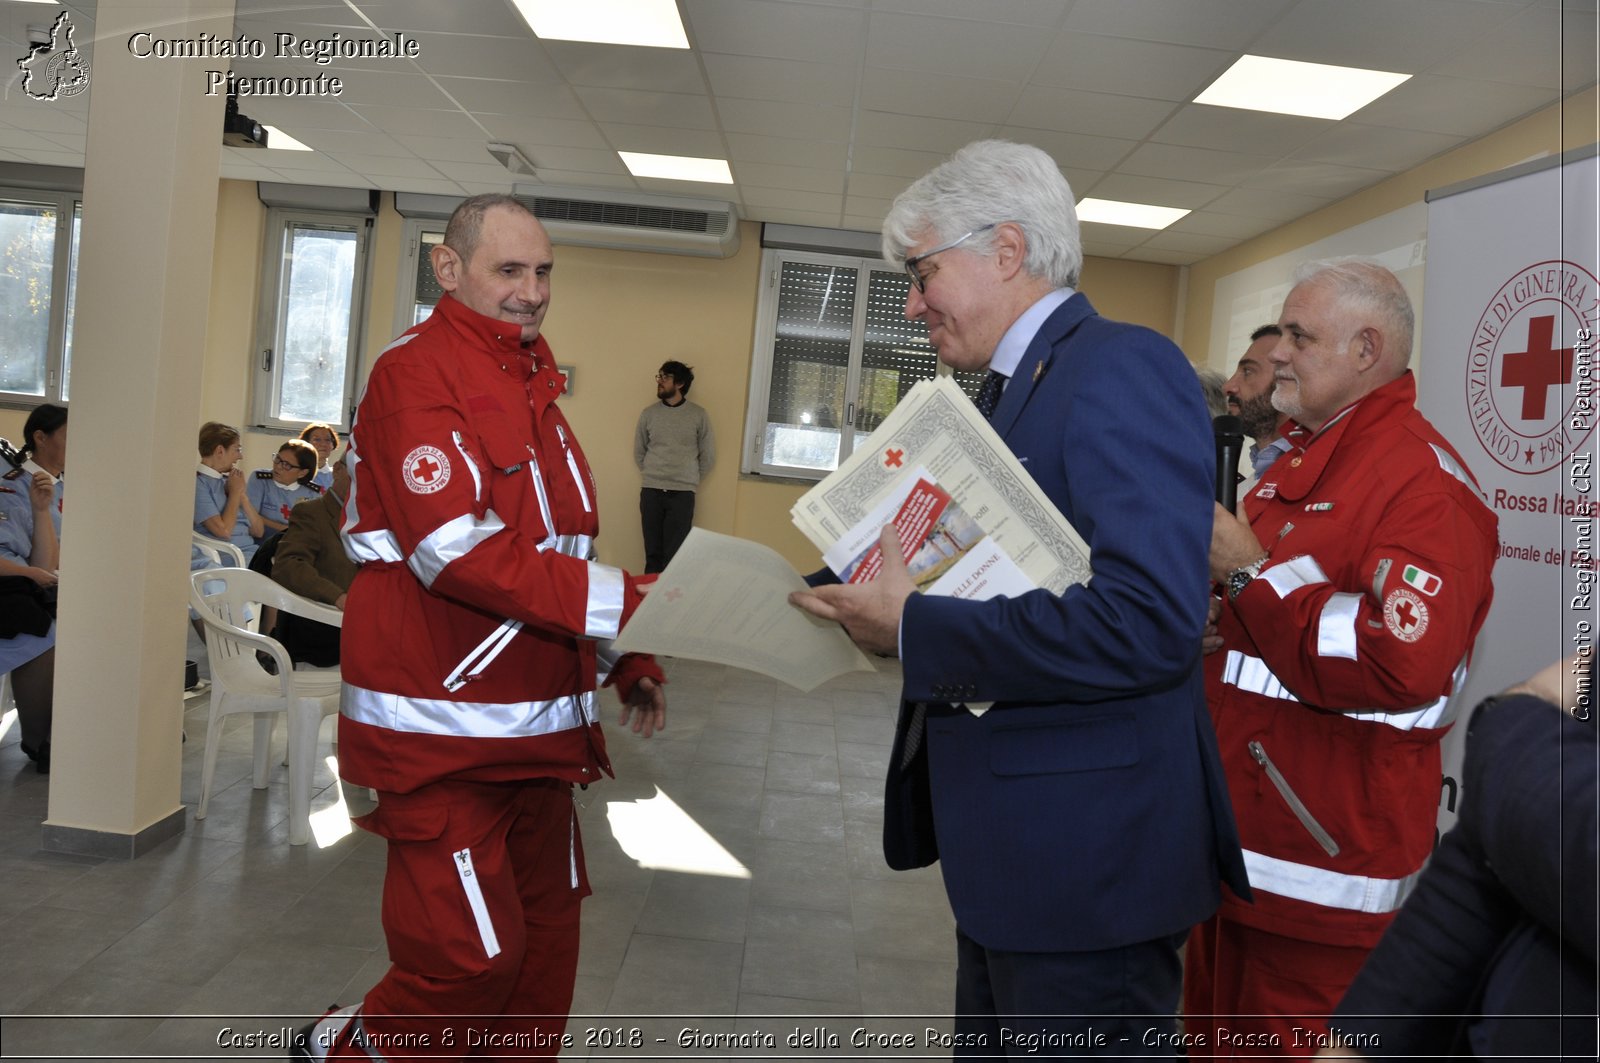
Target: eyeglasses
{"type": "Point", "coordinates": [918, 280]}
{"type": "Point", "coordinates": [294, 465]}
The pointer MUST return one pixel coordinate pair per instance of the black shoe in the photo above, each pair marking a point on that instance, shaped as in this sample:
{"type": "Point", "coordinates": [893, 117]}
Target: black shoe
{"type": "Point", "coordinates": [304, 1043]}
{"type": "Point", "coordinates": [40, 756]}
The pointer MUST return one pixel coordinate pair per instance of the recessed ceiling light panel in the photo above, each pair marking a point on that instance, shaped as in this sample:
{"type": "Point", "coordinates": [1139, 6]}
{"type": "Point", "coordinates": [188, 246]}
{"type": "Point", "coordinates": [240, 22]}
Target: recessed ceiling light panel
{"type": "Point", "coordinates": [278, 140]}
{"type": "Point", "coordinates": [1139, 215]}
{"type": "Point", "coordinates": [677, 167]}
{"type": "Point", "coordinates": [644, 23]}
{"type": "Point", "coordinates": [1285, 86]}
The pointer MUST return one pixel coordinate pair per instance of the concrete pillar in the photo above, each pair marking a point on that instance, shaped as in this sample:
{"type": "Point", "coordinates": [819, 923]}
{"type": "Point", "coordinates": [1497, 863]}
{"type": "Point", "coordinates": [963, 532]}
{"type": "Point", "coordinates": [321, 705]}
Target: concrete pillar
{"type": "Point", "coordinates": [144, 276]}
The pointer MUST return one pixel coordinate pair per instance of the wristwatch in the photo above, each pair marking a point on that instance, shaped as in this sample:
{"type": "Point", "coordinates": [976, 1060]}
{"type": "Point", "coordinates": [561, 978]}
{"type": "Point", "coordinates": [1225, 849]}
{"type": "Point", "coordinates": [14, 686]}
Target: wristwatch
{"type": "Point", "coordinates": [1240, 577]}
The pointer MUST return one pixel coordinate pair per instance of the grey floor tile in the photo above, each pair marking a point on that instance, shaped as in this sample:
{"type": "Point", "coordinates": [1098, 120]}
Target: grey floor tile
{"type": "Point", "coordinates": [800, 875]}
{"type": "Point", "coordinates": [803, 953]}
{"type": "Point", "coordinates": [802, 817]}
{"type": "Point", "coordinates": [806, 773]}
{"type": "Point", "coordinates": [677, 976]}
{"type": "Point", "coordinates": [863, 761]}
{"type": "Point", "coordinates": [707, 907]}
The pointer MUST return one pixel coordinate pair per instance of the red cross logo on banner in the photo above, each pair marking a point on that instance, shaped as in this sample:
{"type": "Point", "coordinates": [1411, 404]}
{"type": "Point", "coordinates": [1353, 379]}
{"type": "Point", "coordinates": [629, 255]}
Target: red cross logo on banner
{"type": "Point", "coordinates": [1539, 368]}
{"type": "Point", "coordinates": [674, 594]}
{"type": "Point", "coordinates": [892, 458]}
{"type": "Point", "coordinates": [426, 470]}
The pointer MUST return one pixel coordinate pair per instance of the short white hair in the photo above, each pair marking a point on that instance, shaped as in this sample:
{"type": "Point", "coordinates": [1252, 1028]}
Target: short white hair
{"type": "Point", "coordinates": [1367, 287]}
{"type": "Point", "coordinates": [985, 183]}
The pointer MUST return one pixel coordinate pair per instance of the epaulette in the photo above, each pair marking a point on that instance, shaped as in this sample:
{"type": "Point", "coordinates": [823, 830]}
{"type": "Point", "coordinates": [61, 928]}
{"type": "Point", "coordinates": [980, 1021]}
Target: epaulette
{"type": "Point", "coordinates": [12, 475]}
{"type": "Point", "coordinates": [263, 474]}
{"type": "Point", "coordinates": [315, 487]}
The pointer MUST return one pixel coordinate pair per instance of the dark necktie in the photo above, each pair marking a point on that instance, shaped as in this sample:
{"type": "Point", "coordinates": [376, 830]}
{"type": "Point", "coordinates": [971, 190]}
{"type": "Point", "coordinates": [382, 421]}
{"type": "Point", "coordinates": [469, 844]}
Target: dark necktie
{"type": "Point", "coordinates": [989, 394]}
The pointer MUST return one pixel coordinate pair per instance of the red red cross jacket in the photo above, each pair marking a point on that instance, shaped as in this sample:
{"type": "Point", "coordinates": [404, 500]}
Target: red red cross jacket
{"type": "Point", "coordinates": [474, 632]}
{"type": "Point", "coordinates": [1333, 685]}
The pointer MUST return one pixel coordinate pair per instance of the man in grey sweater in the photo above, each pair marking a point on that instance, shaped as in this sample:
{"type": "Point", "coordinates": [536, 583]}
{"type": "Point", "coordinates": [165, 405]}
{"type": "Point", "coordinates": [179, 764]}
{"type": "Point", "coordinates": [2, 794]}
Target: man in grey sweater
{"type": "Point", "coordinates": [674, 449]}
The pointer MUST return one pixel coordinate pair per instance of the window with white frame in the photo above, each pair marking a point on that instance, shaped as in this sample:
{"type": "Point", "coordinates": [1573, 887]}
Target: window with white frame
{"type": "Point", "coordinates": [834, 354]}
{"type": "Point", "coordinates": [309, 333]}
{"type": "Point", "coordinates": [39, 237]}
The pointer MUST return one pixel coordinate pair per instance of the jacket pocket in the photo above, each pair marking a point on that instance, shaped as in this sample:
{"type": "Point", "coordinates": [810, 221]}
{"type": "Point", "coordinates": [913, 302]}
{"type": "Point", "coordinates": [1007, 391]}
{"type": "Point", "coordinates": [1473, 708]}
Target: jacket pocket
{"type": "Point", "coordinates": [1090, 743]}
{"type": "Point", "coordinates": [1297, 806]}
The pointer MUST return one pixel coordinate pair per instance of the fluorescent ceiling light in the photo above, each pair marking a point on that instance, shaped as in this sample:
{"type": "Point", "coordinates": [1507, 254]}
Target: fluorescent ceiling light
{"type": "Point", "coordinates": [278, 140]}
{"type": "Point", "coordinates": [1139, 215]}
{"type": "Point", "coordinates": [677, 167]}
{"type": "Point", "coordinates": [645, 23]}
{"type": "Point", "coordinates": [1284, 86]}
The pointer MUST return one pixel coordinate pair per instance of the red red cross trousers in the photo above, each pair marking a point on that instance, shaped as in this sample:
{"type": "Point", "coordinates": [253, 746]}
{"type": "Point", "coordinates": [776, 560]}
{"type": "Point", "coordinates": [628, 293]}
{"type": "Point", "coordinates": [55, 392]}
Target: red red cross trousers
{"type": "Point", "coordinates": [1538, 369]}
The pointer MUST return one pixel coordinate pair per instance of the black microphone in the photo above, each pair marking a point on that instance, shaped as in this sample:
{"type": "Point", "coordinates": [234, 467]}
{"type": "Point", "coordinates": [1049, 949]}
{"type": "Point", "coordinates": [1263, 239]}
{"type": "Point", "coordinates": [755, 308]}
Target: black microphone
{"type": "Point", "coordinates": [1229, 431]}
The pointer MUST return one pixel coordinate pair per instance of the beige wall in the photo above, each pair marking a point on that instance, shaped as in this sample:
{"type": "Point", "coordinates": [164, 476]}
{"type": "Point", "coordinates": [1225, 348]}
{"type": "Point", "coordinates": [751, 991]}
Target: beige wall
{"type": "Point", "coordinates": [1550, 132]}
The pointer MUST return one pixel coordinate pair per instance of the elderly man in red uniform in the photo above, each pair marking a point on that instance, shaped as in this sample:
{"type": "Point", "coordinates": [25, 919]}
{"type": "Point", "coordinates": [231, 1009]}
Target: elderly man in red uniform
{"type": "Point", "coordinates": [475, 639]}
{"type": "Point", "coordinates": [1356, 578]}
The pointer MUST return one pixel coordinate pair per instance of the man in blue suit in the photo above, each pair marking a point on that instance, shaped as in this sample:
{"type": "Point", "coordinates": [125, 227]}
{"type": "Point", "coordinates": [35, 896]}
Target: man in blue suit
{"type": "Point", "coordinates": [1081, 822]}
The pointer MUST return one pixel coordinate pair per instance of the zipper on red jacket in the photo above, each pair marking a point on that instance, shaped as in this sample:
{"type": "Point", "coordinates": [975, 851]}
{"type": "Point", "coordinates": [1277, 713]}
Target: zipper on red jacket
{"type": "Point", "coordinates": [1297, 806]}
{"type": "Point", "coordinates": [572, 464]}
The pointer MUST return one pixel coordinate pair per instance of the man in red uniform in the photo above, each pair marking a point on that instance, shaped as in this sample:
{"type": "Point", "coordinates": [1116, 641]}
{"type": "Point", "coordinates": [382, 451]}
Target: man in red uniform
{"type": "Point", "coordinates": [1356, 579]}
{"type": "Point", "coordinates": [475, 639]}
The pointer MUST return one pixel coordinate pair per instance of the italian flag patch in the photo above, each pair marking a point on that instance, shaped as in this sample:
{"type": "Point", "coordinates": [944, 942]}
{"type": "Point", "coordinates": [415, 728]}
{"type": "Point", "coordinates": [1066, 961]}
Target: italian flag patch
{"type": "Point", "coordinates": [1422, 580]}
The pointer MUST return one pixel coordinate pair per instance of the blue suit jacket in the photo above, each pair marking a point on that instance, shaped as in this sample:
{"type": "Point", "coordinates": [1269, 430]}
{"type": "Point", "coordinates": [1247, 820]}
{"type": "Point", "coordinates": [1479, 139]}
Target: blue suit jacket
{"type": "Point", "coordinates": [1086, 809]}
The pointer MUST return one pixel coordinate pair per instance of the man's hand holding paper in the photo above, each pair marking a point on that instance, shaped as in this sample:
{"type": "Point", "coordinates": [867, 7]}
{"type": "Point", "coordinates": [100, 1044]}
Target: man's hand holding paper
{"type": "Point", "coordinates": [869, 612]}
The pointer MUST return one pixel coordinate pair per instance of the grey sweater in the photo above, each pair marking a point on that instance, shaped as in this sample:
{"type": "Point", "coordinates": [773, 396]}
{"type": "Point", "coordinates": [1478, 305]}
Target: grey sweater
{"type": "Point", "coordinates": [673, 446]}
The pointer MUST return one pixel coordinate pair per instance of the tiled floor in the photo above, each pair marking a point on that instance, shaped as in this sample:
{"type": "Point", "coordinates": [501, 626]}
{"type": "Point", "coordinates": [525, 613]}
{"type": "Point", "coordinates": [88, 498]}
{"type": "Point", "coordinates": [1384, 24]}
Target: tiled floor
{"type": "Point", "coordinates": [802, 931]}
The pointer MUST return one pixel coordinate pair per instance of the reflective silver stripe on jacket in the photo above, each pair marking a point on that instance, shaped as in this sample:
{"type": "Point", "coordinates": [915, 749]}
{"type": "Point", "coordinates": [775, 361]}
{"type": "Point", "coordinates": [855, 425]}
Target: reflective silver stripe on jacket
{"type": "Point", "coordinates": [469, 719]}
{"type": "Point", "coordinates": [451, 541]}
{"type": "Point", "coordinates": [1330, 889]}
{"type": "Point", "coordinates": [1336, 628]}
{"type": "Point", "coordinates": [362, 547]}
{"type": "Point", "coordinates": [1449, 465]}
{"type": "Point", "coordinates": [1286, 577]}
{"type": "Point", "coordinates": [1252, 675]}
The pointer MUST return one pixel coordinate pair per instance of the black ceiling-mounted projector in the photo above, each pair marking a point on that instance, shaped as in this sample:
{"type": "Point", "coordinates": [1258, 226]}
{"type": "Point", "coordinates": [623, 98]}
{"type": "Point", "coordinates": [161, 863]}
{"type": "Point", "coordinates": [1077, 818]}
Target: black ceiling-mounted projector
{"type": "Point", "coordinates": [241, 131]}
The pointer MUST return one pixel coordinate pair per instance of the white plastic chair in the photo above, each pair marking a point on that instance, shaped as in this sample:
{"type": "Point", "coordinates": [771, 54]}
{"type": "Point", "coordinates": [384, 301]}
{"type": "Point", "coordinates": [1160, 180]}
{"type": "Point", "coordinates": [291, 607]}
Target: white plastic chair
{"type": "Point", "coordinates": [219, 552]}
{"type": "Point", "coordinates": [240, 683]}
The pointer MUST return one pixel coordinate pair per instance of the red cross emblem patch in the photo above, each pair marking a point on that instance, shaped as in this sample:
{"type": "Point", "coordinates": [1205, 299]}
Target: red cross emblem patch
{"type": "Point", "coordinates": [426, 470]}
{"type": "Point", "coordinates": [1405, 615]}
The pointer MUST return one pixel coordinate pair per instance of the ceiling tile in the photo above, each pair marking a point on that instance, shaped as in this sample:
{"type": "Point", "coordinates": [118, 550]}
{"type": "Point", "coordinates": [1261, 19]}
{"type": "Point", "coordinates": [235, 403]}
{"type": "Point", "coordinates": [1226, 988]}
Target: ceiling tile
{"type": "Point", "coordinates": [436, 187]}
{"type": "Point", "coordinates": [293, 114]}
{"type": "Point", "coordinates": [335, 177]}
{"type": "Point", "coordinates": [784, 216]}
{"type": "Point", "coordinates": [994, 50]}
{"type": "Point", "coordinates": [54, 157]}
{"type": "Point", "coordinates": [345, 142]}
{"type": "Point", "coordinates": [1073, 149]}
{"type": "Point", "coordinates": [415, 122]}
{"type": "Point", "coordinates": [1227, 24]}
{"type": "Point", "coordinates": [424, 16]}
{"type": "Point", "coordinates": [1165, 258]}
{"type": "Point", "coordinates": [449, 149]}
{"type": "Point", "coordinates": [809, 32]}
{"type": "Point", "coordinates": [499, 97]}
{"type": "Point", "coordinates": [633, 107]}
{"type": "Point", "coordinates": [938, 95]}
{"type": "Point", "coordinates": [1124, 236]}
{"type": "Point", "coordinates": [1199, 164]}
{"type": "Point", "coordinates": [395, 167]}
{"type": "Point", "coordinates": [799, 120]}
{"type": "Point", "coordinates": [1404, 36]}
{"type": "Point", "coordinates": [1375, 147]}
{"type": "Point", "coordinates": [618, 67]}
{"type": "Point", "coordinates": [751, 78]}
{"type": "Point", "coordinates": [917, 134]}
{"type": "Point", "coordinates": [663, 140]}
{"type": "Point", "coordinates": [862, 223]}
{"type": "Point", "coordinates": [1199, 125]}
{"type": "Point", "coordinates": [772, 197]}
{"type": "Point", "coordinates": [895, 161]}
{"type": "Point", "coordinates": [1096, 113]}
{"type": "Point", "coordinates": [1314, 178]}
{"type": "Point", "coordinates": [1130, 68]}
{"type": "Point", "coordinates": [1452, 105]}
{"type": "Point", "coordinates": [867, 206]}
{"type": "Point", "coordinates": [697, 189]}
{"type": "Point", "coordinates": [584, 160]}
{"type": "Point", "coordinates": [582, 179]}
{"type": "Point", "coordinates": [518, 58]}
{"type": "Point", "coordinates": [1524, 50]}
{"type": "Point", "coordinates": [1159, 191]}
{"type": "Point", "coordinates": [1194, 243]}
{"type": "Point", "coordinates": [799, 178]}
{"type": "Point", "coordinates": [782, 151]}
{"type": "Point", "coordinates": [413, 91]}
{"type": "Point", "coordinates": [1210, 223]}
{"type": "Point", "coordinates": [530, 133]}
{"type": "Point", "coordinates": [488, 172]}
{"type": "Point", "coordinates": [1266, 203]}
{"type": "Point", "coordinates": [878, 186]}
{"type": "Point", "coordinates": [1039, 14]}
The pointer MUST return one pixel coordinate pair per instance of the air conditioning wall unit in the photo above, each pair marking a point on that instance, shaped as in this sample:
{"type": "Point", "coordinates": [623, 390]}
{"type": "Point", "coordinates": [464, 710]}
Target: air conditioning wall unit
{"type": "Point", "coordinates": [635, 221]}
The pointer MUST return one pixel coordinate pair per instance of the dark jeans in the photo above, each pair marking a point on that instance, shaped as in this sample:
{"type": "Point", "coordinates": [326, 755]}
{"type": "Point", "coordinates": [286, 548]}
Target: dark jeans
{"type": "Point", "coordinates": [667, 518]}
